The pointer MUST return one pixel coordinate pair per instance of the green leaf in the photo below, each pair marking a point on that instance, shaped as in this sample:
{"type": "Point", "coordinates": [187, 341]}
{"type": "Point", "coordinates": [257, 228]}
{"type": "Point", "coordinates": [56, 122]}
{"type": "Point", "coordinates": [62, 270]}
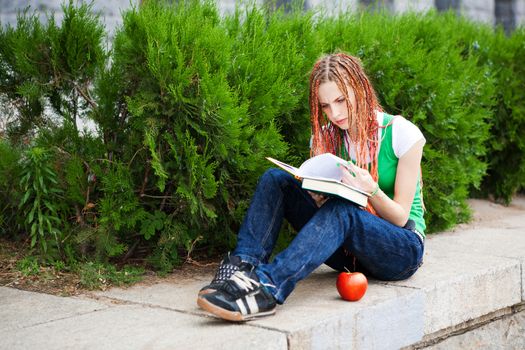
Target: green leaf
{"type": "Point", "coordinates": [24, 199]}
{"type": "Point", "coordinates": [41, 182]}
{"type": "Point", "coordinates": [49, 206]}
{"type": "Point", "coordinates": [31, 215]}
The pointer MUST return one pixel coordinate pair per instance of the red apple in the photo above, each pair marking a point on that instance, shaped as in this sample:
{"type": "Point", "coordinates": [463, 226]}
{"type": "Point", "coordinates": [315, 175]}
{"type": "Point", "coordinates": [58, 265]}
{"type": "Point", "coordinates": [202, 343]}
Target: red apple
{"type": "Point", "coordinates": [351, 285]}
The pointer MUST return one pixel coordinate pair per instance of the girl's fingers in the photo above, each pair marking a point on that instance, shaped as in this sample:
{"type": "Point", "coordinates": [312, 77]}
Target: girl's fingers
{"type": "Point", "coordinates": [358, 177]}
{"type": "Point", "coordinates": [357, 170]}
{"type": "Point", "coordinates": [354, 169]}
{"type": "Point", "coordinates": [349, 178]}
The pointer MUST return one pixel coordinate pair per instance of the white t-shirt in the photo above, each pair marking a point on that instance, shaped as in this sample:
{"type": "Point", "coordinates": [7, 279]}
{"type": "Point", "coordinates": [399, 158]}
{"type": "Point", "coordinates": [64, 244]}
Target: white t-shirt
{"type": "Point", "coordinates": [404, 135]}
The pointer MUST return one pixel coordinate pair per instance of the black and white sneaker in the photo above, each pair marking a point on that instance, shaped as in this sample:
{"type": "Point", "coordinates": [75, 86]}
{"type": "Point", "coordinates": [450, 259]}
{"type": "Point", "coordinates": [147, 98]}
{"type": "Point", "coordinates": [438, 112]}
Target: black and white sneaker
{"type": "Point", "coordinates": [228, 266]}
{"type": "Point", "coordinates": [241, 298]}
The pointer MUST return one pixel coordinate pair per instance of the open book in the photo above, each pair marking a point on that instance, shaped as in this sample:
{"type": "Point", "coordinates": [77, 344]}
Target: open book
{"type": "Point", "coordinates": [323, 174]}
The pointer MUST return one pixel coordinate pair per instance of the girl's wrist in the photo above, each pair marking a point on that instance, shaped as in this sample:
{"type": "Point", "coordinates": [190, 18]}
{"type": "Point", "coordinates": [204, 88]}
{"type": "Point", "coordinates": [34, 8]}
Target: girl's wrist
{"type": "Point", "coordinates": [374, 191]}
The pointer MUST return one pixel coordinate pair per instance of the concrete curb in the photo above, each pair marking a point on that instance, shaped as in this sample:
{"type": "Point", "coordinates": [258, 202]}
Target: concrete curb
{"type": "Point", "coordinates": [470, 287]}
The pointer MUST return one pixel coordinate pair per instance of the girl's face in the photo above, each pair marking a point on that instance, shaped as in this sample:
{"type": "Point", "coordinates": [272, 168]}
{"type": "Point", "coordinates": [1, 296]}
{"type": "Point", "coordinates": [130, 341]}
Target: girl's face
{"type": "Point", "coordinates": [335, 105]}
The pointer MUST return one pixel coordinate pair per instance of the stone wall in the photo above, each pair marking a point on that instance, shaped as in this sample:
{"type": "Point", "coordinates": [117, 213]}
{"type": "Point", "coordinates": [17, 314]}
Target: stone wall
{"type": "Point", "coordinates": [483, 11]}
{"type": "Point", "coordinates": [519, 7]}
{"type": "Point", "coordinates": [510, 13]}
{"type": "Point", "coordinates": [400, 6]}
{"type": "Point", "coordinates": [108, 9]}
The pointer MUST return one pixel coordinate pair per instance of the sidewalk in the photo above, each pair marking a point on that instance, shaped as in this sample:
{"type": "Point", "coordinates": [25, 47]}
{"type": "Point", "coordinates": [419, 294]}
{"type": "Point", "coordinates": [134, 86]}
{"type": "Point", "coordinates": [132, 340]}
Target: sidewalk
{"type": "Point", "coordinates": [469, 294]}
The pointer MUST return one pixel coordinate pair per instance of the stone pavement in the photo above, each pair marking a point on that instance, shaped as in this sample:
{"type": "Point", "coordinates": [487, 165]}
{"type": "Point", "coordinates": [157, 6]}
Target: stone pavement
{"type": "Point", "coordinates": [469, 294]}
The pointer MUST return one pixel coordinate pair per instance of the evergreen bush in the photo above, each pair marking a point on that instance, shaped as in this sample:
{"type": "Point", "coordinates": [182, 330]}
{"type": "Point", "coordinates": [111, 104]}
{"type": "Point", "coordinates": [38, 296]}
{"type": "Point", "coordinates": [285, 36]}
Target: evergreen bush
{"type": "Point", "coordinates": [191, 144]}
{"type": "Point", "coordinates": [50, 67]}
{"type": "Point", "coordinates": [272, 54]}
{"type": "Point", "coordinates": [506, 155]}
{"type": "Point", "coordinates": [187, 104]}
{"type": "Point", "coordinates": [10, 171]}
{"type": "Point", "coordinates": [47, 75]}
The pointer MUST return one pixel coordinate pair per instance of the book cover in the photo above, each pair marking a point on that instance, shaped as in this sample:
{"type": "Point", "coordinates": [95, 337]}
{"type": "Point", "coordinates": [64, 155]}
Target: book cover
{"type": "Point", "coordinates": [323, 174]}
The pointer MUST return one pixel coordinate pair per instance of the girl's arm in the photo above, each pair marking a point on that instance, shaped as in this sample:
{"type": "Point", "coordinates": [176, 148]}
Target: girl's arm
{"type": "Point", "coordinates": [397, 210]}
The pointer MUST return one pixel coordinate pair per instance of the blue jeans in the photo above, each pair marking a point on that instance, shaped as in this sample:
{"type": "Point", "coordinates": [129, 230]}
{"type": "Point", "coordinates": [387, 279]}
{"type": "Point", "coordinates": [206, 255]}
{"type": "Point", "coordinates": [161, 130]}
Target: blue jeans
{"type": "Point", "coordinates": [338, 233]}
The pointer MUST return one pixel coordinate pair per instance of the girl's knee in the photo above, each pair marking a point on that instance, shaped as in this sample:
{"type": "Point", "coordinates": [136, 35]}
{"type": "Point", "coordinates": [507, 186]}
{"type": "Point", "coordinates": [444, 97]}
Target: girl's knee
{"type": "Point", "coordinates": [274, 176]}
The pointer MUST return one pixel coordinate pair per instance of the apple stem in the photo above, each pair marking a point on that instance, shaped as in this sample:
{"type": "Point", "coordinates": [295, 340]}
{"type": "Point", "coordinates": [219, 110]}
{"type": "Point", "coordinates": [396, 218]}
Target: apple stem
{"type": "Point", "coordinates": [347, 269]}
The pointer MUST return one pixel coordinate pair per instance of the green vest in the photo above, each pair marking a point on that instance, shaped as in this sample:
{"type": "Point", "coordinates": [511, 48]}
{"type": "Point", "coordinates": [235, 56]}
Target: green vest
{"type": "Point", "coordinates": [386, 169]}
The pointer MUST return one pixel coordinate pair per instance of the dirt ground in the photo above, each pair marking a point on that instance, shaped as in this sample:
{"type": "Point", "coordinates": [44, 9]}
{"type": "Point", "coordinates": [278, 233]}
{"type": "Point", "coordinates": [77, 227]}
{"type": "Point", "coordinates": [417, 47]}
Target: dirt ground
{"type": "Point", "coordinates": [47, 280]}
{"type": "Point", "coordinates": [52, 281]}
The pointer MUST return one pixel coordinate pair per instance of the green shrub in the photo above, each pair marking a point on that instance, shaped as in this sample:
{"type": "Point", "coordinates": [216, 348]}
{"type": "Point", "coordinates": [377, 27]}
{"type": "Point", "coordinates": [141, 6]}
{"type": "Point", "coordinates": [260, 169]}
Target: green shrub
{"type": "Point", "coordinates": [271, 58]}
{"type": "Point", "coordinates": [47, 75]}
{"type": "Point", "coordinates": [506, 156]}
{"type": "Point", "coordinates": [184, 125]}
{"type": "Point", "coordinates": [9, 177]}
{"type": "Point", "coordinates": [187, 104]}
{"type": "Point", "coordinates": [50, 65]}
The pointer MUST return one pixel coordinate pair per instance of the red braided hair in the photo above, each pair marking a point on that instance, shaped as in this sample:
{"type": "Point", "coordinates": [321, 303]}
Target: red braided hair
{"type": "Point", "coordinates": [348, 73]}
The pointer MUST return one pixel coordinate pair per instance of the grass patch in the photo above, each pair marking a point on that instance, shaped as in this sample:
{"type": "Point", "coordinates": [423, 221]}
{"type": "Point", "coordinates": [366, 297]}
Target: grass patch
{"type": "Point", "coordinates": [19, 269]}
{"type": "Point", "coordinates": [101, 276]}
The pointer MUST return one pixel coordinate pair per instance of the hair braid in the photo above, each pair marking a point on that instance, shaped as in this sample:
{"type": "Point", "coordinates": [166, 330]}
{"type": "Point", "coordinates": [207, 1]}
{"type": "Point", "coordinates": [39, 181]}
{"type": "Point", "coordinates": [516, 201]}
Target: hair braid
{"type": "Point", "coordinates": [348, 73]}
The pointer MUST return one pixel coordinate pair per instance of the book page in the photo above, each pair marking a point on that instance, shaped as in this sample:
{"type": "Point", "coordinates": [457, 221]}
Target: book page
{"type": "Point", "coordinates": [322, 166]}
{"type": "Point", "coordinates": [287, 167]}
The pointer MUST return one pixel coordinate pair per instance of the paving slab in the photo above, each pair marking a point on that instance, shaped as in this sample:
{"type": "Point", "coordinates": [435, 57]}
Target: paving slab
{"type": "Point", "coordinates": [313, 316]}
{"type": "Point", "coordinates": [460, 285]}
{"type": "Point", "coordinates": [507, 241]}
{"type": "Point", "coordinates": [179, 295]}
{"type": "Point", "coordinates": [489, 214]}
{"type": "Point", "coordinates": [20, 309]}
{"type": "Point", "coordinates": [138, 327]}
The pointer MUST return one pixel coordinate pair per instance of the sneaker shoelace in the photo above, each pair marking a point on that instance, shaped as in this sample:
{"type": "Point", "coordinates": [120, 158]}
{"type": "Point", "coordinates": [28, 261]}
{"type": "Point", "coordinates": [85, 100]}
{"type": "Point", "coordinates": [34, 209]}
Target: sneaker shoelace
{"type": "Point", "coordinates": [243, 281]}
{"type": "Point", "coordinates": [246, 283]}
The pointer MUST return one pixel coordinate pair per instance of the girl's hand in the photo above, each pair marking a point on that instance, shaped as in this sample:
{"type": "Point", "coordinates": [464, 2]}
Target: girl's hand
{"type": "Point", "coordinates": [318, 198]}
{"type": "Point", "coordinates": [357, 177]}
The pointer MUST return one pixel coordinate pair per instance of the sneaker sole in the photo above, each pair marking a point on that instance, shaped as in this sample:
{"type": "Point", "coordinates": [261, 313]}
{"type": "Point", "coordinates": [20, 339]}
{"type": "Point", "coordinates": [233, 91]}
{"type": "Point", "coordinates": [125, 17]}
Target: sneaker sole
{"type": "Point", "coordinates": [234, 316]}
{"type": "Point", "coordinates": [205, 291]}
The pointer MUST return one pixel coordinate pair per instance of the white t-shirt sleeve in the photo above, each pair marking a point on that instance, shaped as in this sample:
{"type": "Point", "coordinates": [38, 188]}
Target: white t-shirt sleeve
{"type": "Point", "coordinates": [404, 135]}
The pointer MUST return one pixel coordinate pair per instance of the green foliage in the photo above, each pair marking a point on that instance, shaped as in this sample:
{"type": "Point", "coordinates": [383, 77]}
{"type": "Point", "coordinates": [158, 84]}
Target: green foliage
{"type": "Point", "coordinates": [506, 156]}
{"type": "Point", "coordinates": [38, 205]}
{"type": "Point", "coordinates": [195, 137]}
{"type": "Point", "coordinates": [276, 96]}
{"type": "Point", "coordinates": [28, 265]}
{"type": "Point", "coordinates": [174, 236]}
{"type": "Point", "coordinates": [9, 176]}
{"type": "Point", "coordinates": [101, 276]}
{"type": "Point", "coordinates": [188, 103]}
{"type": "Point", "coordinates": [47, 65]}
